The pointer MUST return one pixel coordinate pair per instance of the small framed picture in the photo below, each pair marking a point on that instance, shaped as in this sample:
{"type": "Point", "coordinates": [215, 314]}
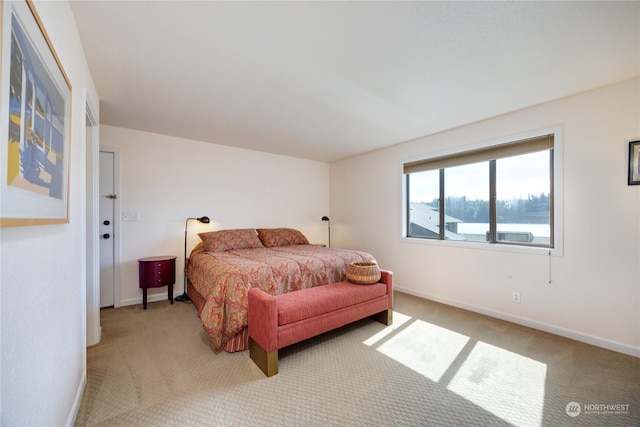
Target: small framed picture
{"type": "Point", "coordinates": [634, 162]}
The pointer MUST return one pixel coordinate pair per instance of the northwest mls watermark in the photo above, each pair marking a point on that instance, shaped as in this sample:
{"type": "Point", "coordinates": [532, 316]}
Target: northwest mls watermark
{"type": "Point", "coordinates": [574, 409]}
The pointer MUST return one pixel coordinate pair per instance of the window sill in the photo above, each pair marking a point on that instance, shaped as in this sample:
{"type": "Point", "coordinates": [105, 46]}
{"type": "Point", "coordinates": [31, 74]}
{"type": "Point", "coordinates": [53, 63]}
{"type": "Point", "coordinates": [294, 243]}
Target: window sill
{"type": "Point", "coordinates": [499, 247]}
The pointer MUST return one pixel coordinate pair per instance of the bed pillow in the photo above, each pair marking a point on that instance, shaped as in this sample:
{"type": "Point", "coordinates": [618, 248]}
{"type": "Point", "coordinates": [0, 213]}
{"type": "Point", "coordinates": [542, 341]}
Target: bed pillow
{"type": "Point", "coordinates": [226, 240]}
{"type": "Point", "coordinates": [281, 237]}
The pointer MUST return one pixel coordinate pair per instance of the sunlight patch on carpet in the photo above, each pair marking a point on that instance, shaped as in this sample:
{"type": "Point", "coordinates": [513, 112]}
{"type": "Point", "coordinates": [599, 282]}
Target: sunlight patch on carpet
{"type": "Point", "coordinates": [399, 319]}
{"type": "Point", "coordinates": [504, 383]}
{"type": "Point", "coordinates": [425, 348]}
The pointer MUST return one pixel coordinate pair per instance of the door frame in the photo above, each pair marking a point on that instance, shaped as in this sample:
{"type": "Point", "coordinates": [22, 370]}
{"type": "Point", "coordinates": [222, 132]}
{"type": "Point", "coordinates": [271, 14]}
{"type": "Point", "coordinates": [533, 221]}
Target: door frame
{"type": "Point", "coordinates": [116, 227]}
{"type": "Point", "coordinates": [91, 137]}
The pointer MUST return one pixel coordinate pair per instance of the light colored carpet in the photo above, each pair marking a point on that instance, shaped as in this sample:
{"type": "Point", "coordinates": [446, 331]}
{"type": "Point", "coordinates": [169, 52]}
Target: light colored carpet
{"type": "Point", "coordinates": [436, 366]}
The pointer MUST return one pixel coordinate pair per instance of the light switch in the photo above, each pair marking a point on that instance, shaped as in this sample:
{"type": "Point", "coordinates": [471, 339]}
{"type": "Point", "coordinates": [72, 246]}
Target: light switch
{"type": "Point", "coordinates": [130, 216]}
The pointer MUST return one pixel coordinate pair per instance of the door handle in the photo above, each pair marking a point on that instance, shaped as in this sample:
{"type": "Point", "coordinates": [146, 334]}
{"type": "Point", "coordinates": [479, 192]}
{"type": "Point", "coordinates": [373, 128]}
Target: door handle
{"type": "Point", "coordinates": [111, 196]}
{"type": "Point", "coordinates": [106, 235]}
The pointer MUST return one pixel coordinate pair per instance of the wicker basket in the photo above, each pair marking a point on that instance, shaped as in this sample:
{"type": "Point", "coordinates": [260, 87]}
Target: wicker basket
{"type": "Point", "coordinates": [363, 273]}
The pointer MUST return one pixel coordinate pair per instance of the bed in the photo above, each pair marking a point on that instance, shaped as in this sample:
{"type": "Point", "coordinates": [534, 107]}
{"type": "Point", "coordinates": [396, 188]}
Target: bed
{"type": "Point", "coordinates": [227, 263]}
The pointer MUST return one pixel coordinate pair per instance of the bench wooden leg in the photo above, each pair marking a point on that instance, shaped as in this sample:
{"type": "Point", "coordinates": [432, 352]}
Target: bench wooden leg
{"type": "Point", "coordinates": [267, 361]}
{"type": "Point", "coordinates": [385, 317]}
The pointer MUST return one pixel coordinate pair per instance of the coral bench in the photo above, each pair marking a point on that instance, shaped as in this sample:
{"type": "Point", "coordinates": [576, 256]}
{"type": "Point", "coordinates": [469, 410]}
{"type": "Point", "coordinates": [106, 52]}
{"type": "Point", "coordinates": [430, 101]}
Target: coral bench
{"type": "Point", "coordinates": [281, 320]}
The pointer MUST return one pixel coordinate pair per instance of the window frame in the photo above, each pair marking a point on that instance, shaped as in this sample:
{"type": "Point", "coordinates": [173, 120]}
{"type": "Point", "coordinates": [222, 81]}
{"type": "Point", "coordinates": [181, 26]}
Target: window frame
{"type": "Point", "coordinates": [556, 187]}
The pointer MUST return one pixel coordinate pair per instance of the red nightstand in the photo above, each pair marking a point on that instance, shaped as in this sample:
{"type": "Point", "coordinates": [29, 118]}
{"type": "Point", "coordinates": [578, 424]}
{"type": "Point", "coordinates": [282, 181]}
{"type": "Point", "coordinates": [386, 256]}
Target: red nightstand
{"type": "Point", "coordinates": [156, 272]}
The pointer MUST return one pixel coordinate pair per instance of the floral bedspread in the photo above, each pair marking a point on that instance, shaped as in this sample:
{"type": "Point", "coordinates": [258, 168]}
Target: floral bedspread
{"type": "Point", "coordinates": [224, 279]}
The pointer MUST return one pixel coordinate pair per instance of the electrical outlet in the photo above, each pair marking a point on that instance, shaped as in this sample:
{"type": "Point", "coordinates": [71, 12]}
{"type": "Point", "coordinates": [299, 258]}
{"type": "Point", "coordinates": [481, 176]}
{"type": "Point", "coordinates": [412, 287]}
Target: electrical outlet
{"type": "Point", "coordinates": [516, 297]}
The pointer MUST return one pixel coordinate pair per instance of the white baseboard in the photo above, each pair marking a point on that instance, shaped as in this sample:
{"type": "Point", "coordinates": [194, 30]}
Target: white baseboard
{"type": "Point", "coordinates": [553, 329]}
{"type": "Point", "coordinates": [150, 298]}
{"type": "Point", "coordinates": [71, 420]}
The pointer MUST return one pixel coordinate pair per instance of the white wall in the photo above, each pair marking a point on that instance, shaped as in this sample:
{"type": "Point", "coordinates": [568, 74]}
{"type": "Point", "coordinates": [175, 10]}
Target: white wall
{"type": "Point", "coordinates": [595, 291]}
{"type": "Point", "coordinates": [167, 180]}
{"type": "Point", "coordinates": [43, 343]}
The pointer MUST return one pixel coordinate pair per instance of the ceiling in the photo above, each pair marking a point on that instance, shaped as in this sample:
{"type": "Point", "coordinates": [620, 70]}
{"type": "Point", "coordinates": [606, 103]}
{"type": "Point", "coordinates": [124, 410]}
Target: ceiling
{"type": "Point", "coordinates": [328, 80]}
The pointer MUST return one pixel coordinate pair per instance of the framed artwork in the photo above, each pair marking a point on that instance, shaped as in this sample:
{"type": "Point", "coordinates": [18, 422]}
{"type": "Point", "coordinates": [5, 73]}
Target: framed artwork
{"type": "Point", "coordinates": [634, 162]}
{"type": "Point", "coordinates": [35, 122]}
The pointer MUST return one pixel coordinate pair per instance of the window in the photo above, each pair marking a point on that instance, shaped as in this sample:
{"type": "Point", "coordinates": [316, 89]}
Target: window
{"type": "Point", "coordinates": [500, 194]}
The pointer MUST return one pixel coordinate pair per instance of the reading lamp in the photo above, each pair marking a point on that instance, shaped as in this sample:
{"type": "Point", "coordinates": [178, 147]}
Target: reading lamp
{"type": "Point", "coordinates": [326, 218]}
{"type": "Point", "coordinates": [184, 297]}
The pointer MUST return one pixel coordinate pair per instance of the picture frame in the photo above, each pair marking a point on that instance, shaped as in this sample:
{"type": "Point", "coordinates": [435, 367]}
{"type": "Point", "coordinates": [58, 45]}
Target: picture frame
{"type": "Point", "coordinates": [35, 122]}
{"type": "Point", "coordinates": [634, 162]}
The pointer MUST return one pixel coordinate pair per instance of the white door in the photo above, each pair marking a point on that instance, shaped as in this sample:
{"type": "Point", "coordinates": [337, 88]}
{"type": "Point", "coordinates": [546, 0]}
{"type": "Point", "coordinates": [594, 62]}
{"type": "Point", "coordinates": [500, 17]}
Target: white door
{"type": "Point", "coordinates": [106, 227]}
